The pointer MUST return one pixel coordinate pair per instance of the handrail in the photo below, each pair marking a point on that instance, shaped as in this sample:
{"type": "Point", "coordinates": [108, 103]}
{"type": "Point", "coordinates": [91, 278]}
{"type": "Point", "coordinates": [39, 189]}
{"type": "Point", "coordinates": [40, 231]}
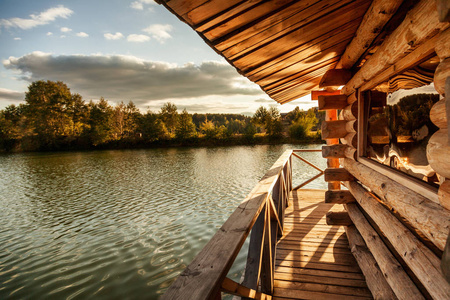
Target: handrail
{"type": "Point", "coordinates": [262, 213]}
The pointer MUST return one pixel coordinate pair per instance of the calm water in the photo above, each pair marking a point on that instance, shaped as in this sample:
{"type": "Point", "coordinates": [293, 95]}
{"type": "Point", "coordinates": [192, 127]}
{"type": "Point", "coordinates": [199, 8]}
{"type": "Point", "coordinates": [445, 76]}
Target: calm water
{"type": "Point", "coordinates": [120, 224]}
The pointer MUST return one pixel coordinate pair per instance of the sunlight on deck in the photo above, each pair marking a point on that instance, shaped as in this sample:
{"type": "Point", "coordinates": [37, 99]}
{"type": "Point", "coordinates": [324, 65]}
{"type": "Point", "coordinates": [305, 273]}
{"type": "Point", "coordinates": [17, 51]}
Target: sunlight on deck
{"type": "Point", "coordinates": [313, 260]}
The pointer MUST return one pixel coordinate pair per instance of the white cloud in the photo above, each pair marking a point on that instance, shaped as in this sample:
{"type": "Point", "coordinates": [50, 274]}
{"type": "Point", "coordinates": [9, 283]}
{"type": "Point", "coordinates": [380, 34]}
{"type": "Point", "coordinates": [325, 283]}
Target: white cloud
{"type": "Point", "coordinates": [43, 18]}
{"type": "Point", "coordinates": [49, 33]}
{"type": "Point", "coordinates": [11, 96]}
{"type": "Point", "coordinates": [116, 36]}
{"type": "Point", "coordinates": [159, 32]}
{"type": "Point", "coordinates": [82, 34]}
{"type": "Point", "coordinates": [62, 36]}
{"type": "Point", "coordinates": [65, 29]}
{"type": "Point", "coordinates": [139, 5]}
{"type": "Point", "coordinates": [118, 77]}
{"type": "Point", "coordinates": [17, 38]}
{"type": "Point", "coordinates": [138, 38]}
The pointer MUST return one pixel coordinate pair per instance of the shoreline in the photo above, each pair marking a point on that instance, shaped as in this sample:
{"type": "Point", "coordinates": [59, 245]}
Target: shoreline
{"type": "Point", "coordinates": [29, 145]}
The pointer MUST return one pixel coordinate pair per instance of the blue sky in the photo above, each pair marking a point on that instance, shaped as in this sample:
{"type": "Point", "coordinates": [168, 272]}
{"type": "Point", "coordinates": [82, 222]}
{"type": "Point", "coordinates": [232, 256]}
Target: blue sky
{"type": "Point", "coordinates": [122, 51]}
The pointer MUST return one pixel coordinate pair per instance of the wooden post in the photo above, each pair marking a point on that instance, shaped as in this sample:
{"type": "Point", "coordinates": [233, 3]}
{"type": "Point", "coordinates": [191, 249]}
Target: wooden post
{"type": "Point", "coordinates": [422, 262]}
{"type": "Point", "coordinates": [340, 218]}
{"type": "Point", "coordinates": [393, 272]}
{"type": "Point", "coordinates": [338, 151]}
{"type": "Point", "coordinates": [339, 174]}
{"type": "Point", "coordinates": [378, 286]}
{"type": "Point", "coordinates": [334, 129]}
{"type": "Point", "coordinates": [331, 115]}
{"type": "Point", "coordinates": [339, 197]}
{"type": "Point", "coordinates": [332, 102]}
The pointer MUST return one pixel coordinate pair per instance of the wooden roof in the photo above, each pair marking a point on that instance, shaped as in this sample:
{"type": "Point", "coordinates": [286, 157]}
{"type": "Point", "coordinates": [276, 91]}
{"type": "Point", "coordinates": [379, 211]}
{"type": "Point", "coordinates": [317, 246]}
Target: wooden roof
{"type": "Point", "coordinates": [284, 46]}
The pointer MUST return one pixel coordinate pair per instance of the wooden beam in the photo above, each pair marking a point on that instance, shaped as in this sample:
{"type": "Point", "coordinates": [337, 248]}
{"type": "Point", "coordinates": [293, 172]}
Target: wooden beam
{"type": "Point", "coordinates": [444, 194]}
{"type": "Point", "coordinates": [315, 94]}
{"type": "Point", "coordinates": [340, 218]}
{"type": "Point", "coordinates": [423, 263]}
{"type": "Point", "coordinates": [443, 9]}
{"type": "Point", "coordinates": [393, 272]}
{"type": "Point", "coordinates": [351, 139]}
{"type": "Point", "coordinates": [350, 112]}
{"type": "Point", "coordinates": [338, 151]}
{"type": "Point", "coordinates": [334, 129]}
{"type": "Point", "coordinates": [438, 152]}
{"type": "Point", "coordinates": [331, 116]}
{"type": "Point", "coordinates": [442, 49]}
{"type": "Point", "coordinates": [425, 215]}
{"type": "Point", "coordinates": [419, 25]}
{"type": "Point", "coordinates": [231, 287]}
{"type": "Point", "coordinates": [335, 77]}
{"type": "Point", "coordinates": [441, 74]}
{"type": "Point", "coordinates": [339, 197]}
{"type": "Point", "coordinates": [339, 174]}
{"type": "Point", "coordinates": [378, 14]}
{"type": "Point", "coordinates": [332, 102]}
{"type": "Point", "coordinates": [438, 114]}
{"type": "Point", "coordinates": [375, 280]}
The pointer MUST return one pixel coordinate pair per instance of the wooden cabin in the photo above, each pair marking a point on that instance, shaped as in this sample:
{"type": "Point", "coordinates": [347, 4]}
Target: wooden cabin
{"type": "Point", "coordinates": [384, 234]}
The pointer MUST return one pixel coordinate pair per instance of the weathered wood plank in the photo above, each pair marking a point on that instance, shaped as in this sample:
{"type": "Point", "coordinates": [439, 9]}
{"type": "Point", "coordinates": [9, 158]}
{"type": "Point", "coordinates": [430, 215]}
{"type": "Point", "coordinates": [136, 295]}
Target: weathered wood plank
{"type": "Point", "coordinates": [396, 277]}
{"type": "Point", "coordinates": [339, 218]}
{"type": "Point", "coordinates": [375, 281]}
{"type": "Point", "coordinates": [318, 265]}
{"type": "Point", "coordinates": [427, 216]}
{"type": "Point", "coordinates": [321, 279]}
{"type": "Point", "coordinates": [337, 174]}
{"type": "Point", "coordinates": [422, 262]}
{"type": "Point", "coordinates": [335, 77]}
{"type": "Point", "coordinates": [329, 289]}
{"type": "Point", "coordinates": [378, 14]}
{"type": "Point", "coordinates": [338, 197]}
{"type": "Point", "coordinates": [332, 102]}
{"type": "Point", "coordinates": [300, 294]}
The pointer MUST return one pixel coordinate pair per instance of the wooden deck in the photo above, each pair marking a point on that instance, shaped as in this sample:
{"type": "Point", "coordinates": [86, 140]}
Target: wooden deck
{"type": "Point", "coordinates": [313, 260]}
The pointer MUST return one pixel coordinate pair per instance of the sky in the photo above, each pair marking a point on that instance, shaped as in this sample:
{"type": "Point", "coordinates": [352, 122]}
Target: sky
{"type": "Point", "coordinates": [123, 51]}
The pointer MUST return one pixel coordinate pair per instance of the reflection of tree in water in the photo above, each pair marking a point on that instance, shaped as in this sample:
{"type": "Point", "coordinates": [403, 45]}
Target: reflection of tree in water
{"type": "Point", "coordinates": [412, 113]}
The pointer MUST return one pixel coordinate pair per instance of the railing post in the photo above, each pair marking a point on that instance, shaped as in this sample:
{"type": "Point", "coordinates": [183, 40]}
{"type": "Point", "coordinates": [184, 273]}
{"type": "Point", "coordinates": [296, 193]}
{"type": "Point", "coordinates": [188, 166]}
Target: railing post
{"type": "Point", "coordinates": [252, 268]}
{"type": "Point", "coordinates": [266, 264]}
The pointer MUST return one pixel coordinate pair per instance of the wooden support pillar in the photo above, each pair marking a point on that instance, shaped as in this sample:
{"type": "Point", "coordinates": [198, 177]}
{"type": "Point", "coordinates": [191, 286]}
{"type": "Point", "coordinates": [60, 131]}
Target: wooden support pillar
{"type": "Point", "coordinates": [339, 197]}
{"type": "Point", "coordinates": [393, 272]}
{"type": "Point", "coordinates": [339, 174]}
{"type": "Point", "coordinates": [340, 218]}
{"type": "Point", "coordinates": [338, 151]}
{"type": "Point", "coordinates": [332, 102]}
{"type": "Point", "coordinates": [422, 262]}
{"type": "Point", "coordinates": [331, 115]}
{"type": "Point", "coordinates": [375, 280]}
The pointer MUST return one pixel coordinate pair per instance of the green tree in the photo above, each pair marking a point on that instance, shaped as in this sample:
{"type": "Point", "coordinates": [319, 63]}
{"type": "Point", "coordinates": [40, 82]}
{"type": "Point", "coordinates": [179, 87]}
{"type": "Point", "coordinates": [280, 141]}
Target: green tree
{"type": "Point", "coordinates": [169, 116]}
{"type": "Point", "coordinates": [152, 128]}
{"type": "Point", "coordinates": [208, 129]}
{"type": "Point", "coordinates": [49, 105]}
{"type": "Point", "coordinates": [185, 128]}
{"type": "Point", "coordinates": [100, 122]}
{"type": "Point", "coordinates": [301, 127]}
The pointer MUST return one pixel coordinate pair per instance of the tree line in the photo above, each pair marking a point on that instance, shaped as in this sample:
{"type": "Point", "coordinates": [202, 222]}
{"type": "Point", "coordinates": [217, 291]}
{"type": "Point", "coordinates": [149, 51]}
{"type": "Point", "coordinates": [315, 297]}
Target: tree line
{"type": "Point", "coordinates": [53, 118]}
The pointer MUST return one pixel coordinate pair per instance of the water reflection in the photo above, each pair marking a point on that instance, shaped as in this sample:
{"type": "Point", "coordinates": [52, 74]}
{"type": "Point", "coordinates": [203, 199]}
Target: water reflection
{"type": "Point", "coordinates": [118, 224]}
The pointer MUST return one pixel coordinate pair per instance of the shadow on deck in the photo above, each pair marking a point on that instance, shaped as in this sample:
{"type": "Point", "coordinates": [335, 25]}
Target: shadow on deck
{"type": "Point", "coordinates": [313, 259]}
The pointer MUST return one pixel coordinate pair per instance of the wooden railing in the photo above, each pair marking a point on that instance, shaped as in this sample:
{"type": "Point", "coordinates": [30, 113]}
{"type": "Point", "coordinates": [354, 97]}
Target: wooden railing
{"type": "Point", "coordinates": [262, 213]}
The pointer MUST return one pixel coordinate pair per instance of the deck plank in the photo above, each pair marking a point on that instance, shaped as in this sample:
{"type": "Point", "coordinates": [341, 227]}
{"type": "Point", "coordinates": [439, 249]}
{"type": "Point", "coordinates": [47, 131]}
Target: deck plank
{"type": "Point", "coordinates": [313, 260]}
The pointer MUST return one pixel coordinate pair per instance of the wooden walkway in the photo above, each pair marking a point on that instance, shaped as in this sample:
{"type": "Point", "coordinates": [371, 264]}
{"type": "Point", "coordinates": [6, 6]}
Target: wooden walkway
{"type": "Point", "coordinates": [313, 260]}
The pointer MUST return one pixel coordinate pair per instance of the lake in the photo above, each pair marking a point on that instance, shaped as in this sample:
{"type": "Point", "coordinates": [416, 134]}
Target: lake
{"type": "Point", "coordinates": [121, 224]}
